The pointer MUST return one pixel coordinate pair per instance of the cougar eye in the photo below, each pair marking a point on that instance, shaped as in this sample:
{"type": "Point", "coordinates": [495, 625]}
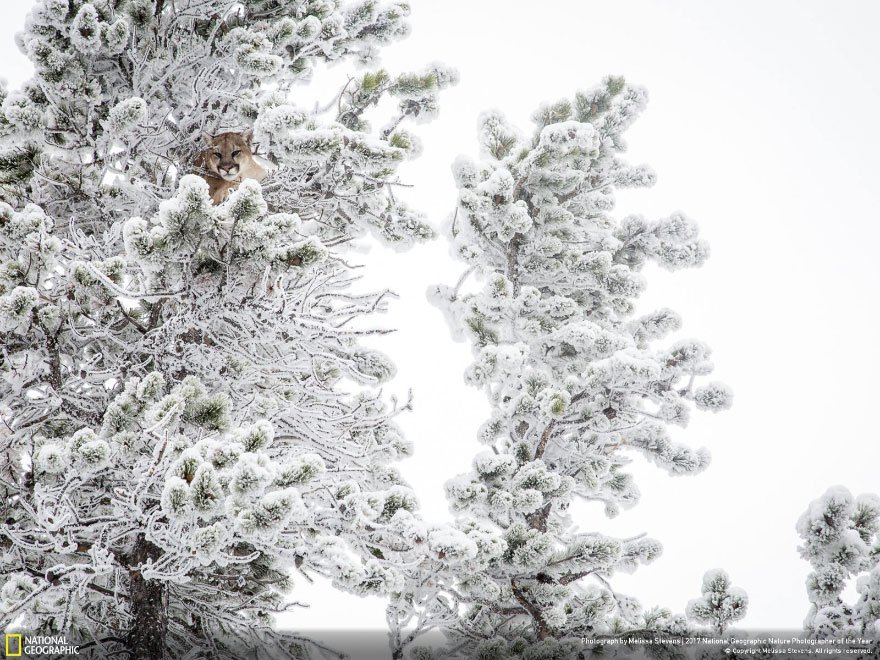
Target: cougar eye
{"type": "Point", "coordinates": [236, 152]}
{"type": "Point", "coordinates": [217, 154]}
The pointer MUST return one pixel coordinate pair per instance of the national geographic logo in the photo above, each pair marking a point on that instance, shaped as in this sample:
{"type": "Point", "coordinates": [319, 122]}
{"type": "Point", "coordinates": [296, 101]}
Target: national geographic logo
{"type": "Point", "coordinates": [13, 646]}
{"type": "Point", "coordinates": [19, 645]}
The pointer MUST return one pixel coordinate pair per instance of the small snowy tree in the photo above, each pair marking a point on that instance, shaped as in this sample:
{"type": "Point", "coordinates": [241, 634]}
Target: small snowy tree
{"type": "Point", "coordinates": [841, 537]}
{"type": "Point", "coordinates": [163, 520]}
{"type": "Point", "coordinates": [576, 381]}
{"type": "Point", "coordinates": [721, 604]}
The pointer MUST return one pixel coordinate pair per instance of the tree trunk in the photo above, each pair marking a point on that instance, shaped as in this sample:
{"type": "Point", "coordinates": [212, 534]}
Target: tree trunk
{"type": "Point", "coordinates": [149, 606]}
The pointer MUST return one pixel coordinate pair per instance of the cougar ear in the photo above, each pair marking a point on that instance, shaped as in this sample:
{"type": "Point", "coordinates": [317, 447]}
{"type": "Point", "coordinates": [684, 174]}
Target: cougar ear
{"type": "Point", "coordinates": [207, 138]}
{"type": "Point", "coordinates": [248, 135]}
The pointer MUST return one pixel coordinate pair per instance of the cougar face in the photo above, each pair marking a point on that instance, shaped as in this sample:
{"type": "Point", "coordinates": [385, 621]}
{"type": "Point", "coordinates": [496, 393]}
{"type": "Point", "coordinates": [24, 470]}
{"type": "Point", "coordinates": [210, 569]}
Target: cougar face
{"type": "Point", "coordinates": [227, 153]}
{"type": "Point", "coordinates": [226, 161]}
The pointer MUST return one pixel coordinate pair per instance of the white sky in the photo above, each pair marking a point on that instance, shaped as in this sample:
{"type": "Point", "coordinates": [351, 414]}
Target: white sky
{"type": "Point", "coordinates": [761, 126]}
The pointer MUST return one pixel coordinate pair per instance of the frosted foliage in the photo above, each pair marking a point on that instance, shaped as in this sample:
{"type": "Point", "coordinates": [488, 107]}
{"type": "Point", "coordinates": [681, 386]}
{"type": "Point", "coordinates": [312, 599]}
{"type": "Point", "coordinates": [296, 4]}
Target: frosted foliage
{"type": "Point", "coordinates": [124, 90]}
{"type": "Point", "coordinates": [161, 471]}
{"type": "Point", "coordinates": [190, 418]}
{"type": "Point", "coordinates": [576, 380]}
{"type": "Point", "coordinates": [720, 605]}
{"type": "Point", "coordinates": [198, 292]}
{"type": "Point", "coordinates": [841, 540]}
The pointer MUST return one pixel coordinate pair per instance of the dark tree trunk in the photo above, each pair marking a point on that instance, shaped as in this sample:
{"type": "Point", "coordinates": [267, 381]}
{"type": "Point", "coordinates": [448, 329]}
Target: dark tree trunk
{"type": "Point", "coordinates": [149, 607]}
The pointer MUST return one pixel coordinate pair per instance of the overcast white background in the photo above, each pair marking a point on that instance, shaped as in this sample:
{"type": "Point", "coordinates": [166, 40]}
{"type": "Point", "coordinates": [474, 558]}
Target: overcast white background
{"type": "Point", "coordinates": [762, 126]}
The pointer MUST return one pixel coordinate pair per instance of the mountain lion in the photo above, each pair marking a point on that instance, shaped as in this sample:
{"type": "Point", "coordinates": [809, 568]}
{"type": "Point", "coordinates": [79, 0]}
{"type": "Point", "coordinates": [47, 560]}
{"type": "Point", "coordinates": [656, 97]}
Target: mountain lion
{"type": "Point", "coordinates": [227, 161]}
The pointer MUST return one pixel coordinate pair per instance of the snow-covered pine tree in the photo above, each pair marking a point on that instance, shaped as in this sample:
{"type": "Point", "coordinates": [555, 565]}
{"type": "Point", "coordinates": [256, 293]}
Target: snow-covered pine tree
{"type": "Point", "coordinates": [162, 355]}
{"type": "Point", "coordinates": [720, 603]}
{"type": "Point", "coordinates": [841, 535]}
{"type": "Point", "coordinates": [576, 380]}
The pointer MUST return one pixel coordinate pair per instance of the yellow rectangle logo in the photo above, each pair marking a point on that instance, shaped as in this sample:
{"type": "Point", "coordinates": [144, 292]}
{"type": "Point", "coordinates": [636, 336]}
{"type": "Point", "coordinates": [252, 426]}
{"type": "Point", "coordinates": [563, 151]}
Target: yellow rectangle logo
{"type": "Point", "coordinates": [13, 649]}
